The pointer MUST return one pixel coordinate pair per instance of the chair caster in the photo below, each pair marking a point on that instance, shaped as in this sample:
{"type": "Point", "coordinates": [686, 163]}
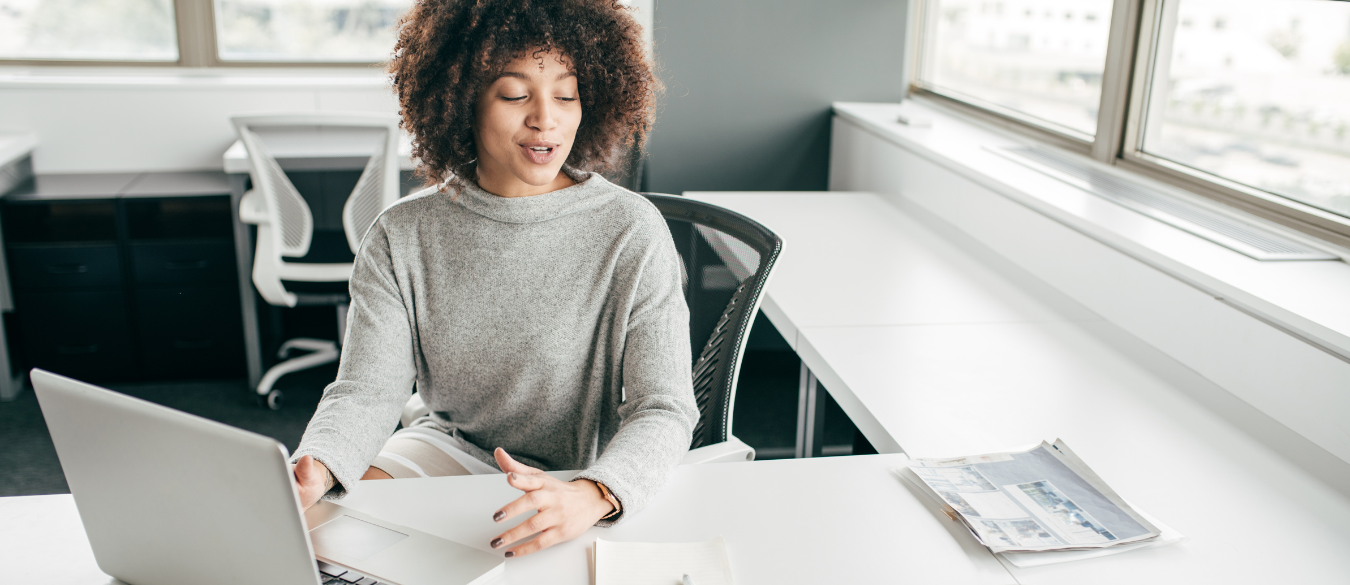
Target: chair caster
{"type": "Point", "coordinates": [272, 400]}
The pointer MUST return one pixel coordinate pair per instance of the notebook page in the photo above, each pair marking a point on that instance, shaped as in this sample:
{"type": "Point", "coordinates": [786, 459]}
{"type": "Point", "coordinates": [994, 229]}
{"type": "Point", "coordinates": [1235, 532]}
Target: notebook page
{"type": "Point", "coordinates": [661, 563]}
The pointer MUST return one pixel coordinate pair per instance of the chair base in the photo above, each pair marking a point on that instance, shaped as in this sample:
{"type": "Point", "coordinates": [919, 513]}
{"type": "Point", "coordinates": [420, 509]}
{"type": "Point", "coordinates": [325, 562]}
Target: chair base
{"type": "Point", "coordinates": [320, 352]}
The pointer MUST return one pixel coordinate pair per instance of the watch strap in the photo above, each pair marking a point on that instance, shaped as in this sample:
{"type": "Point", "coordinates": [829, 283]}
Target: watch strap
{"type": "Point", "coordinates": [609, 497]}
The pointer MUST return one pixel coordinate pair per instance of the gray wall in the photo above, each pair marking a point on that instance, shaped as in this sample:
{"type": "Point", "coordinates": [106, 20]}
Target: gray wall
{"type": "Point", "coordinates": [749, 85]}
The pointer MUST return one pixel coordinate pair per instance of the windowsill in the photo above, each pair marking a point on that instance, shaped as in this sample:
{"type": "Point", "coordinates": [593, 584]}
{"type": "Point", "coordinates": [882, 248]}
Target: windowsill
{"type": "Point", "coordinates": [1306, 299]}
{"type": "Point", "coordinates": [34, 77]}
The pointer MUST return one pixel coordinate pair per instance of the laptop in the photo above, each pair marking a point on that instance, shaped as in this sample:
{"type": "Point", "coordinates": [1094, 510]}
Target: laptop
{"type": "Point", "coordinates": [168, 498]}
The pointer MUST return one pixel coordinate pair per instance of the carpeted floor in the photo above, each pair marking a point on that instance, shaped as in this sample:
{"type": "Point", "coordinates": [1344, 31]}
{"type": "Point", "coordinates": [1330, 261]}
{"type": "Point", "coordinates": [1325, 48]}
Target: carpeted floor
{"type": "Point", "coordinates": [29, 462]}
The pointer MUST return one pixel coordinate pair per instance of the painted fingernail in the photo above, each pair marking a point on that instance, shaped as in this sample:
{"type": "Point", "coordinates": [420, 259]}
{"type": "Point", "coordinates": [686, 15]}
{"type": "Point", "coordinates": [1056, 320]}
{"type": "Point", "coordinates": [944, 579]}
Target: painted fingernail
{"type": "Point", "coordinates": [496, 542]}
{"type": "Point", "coordinates": [499, 516]}
{"type": "Point", "coordinates": [510, 554]}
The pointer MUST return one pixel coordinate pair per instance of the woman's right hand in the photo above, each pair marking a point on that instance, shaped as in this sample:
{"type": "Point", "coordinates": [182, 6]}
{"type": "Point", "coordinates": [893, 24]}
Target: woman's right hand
{"type": "Point", "coordinates": [312, 479]}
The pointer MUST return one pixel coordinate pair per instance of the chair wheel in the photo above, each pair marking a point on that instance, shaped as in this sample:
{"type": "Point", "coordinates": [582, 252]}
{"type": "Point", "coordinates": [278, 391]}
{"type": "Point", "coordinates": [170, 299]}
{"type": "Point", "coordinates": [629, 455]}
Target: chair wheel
{"type": "Point", "coordinates": [272, 401]}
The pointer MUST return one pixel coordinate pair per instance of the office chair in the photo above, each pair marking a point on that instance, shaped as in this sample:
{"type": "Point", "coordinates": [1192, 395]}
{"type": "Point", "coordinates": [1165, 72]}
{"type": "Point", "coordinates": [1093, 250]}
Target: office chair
{"type": "Point", "coordinates": [295, 265]}
{"type": "Point", "coordinates": [727, 260]}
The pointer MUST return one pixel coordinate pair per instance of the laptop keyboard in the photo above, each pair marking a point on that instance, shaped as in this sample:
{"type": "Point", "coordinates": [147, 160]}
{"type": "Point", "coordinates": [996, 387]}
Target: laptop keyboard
{"type": "Point", "coordinates": [335, 575]}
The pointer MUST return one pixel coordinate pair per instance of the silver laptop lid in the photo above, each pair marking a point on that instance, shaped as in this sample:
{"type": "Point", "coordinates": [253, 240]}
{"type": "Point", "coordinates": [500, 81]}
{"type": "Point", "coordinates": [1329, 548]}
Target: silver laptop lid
{"type": "Point", "coordinates": [171, 498]}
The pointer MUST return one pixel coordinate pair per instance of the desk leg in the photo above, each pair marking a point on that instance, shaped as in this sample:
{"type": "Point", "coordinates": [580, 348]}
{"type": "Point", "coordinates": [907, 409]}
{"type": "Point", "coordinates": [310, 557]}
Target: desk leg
{"type": "Point", "coordinates": [10, 386]}
{"type": "Point", "coordinates": [810, 415]}
{"type": "Point", "coordinates": [243, 255]}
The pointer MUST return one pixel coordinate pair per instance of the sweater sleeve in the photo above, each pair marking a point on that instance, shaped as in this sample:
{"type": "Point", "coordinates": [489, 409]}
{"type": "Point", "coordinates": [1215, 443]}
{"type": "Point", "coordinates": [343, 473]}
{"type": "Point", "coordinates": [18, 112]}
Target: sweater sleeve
{"type": "Point", "coordinates": [658, 412]}
{"type": "Point", "coordinates": [375, 377]}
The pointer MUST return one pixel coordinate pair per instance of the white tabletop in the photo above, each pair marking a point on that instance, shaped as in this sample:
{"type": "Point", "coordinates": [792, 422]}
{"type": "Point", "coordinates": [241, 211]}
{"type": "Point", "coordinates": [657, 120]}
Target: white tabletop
{"type": "Point", "coordinates": [317, 143]}
{"type": "Point", "coordinates": [831, 520]}
{"type": "Point", "coordinates": [853, 259]}
{"type": "Point", "coordinates": [1250, 516]}
{"type": "Point", "coordinates": [967, 363]}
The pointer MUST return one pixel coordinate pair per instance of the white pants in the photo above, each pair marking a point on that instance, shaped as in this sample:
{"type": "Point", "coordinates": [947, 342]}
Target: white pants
{"type": "Point", "coordinates": [421, 452]}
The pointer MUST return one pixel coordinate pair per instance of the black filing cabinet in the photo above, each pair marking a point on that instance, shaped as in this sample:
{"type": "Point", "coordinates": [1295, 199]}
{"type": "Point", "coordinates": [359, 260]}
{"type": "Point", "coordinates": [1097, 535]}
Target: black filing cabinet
{"type": "Point", "coordinates": [125, 277]}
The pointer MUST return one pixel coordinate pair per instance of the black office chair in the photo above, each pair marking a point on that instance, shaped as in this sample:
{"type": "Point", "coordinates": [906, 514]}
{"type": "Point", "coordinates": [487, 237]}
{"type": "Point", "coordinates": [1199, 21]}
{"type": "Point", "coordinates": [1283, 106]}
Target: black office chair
{"type": "Point", "coordinates": [727, 260]}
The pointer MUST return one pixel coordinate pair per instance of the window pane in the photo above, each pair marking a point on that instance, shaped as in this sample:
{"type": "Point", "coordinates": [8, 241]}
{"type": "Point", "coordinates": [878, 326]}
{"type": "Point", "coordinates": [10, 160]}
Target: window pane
{"type": "Point", "coordinates": [1039, 58]}
{"type": "Point", "coordinates": [307, 30]}
{"type": "Point", "coordinates": [119, 30]}
{"type": "Point", "coordinates": [1257, 92]}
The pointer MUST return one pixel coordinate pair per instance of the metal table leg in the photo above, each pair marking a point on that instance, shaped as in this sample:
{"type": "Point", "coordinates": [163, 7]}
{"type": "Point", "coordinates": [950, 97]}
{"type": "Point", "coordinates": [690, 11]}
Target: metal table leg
{"type": "Point", "coordinates": [243, 254]}
{"type": "Point", "coordinates": [810, 415]}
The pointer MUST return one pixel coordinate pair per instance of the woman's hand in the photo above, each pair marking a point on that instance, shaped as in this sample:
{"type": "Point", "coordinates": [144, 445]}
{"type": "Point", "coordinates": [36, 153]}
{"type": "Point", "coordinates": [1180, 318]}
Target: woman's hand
{"type": "Point", "coordinates": [565, 508]}
{"type": "Point", "coordinates": [312, 479]}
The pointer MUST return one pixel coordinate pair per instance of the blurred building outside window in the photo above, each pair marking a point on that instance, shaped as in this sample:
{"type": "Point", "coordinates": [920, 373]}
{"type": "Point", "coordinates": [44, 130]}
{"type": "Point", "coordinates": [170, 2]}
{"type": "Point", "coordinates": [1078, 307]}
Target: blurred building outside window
{"type": "Point", "coordinates": [1256, 92]}
{"type": "Point", "coordinates": [343, 31]}
{"type": "Point", "coordinates": [107, 30]}
{"type": "Point", "coordinates": [1043, 59]}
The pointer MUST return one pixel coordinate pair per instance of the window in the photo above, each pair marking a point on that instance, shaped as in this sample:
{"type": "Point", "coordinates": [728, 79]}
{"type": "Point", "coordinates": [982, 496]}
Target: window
{"type": "Point", "coordinates": [1243, 101]}
{"type": "Point", "coordinates": [207, 33]}
{"type": "Point", "coordinates": [213, 32]}
{"type": "Point", "coordinates": [1041, 60]}
{"type": "Point", "coordinates": [113, 30]}
{"type": "Point", "coordinates": [307, 30]}
{"type": "Point", "coordinates": [1256, 92]}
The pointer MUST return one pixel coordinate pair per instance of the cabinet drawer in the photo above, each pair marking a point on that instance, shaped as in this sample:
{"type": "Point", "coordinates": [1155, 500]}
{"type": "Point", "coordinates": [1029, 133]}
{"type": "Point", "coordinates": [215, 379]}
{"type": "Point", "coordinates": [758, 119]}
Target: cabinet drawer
{"type": "Point", "coordinates": [190, 332]}
{"type": "Point", "coordinates": [65, 266]}
{"type": "Point", "coordinates": [84, 335]}
{"type": "Point", "coordinates": [184, 263]}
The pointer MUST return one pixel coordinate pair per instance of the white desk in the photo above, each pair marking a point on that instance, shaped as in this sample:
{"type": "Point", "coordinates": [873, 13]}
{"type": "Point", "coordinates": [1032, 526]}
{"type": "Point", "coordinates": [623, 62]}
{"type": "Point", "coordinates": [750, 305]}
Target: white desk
{"type": "Point", "coordinates": [969, 364]}
{"type": "Point", "coordinates": [851, 259]}
{"type": "Point", "coordinates": [833, 520]}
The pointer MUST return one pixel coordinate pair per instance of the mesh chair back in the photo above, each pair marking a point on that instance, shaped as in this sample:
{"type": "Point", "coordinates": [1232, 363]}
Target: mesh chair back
{"type": "Point", "coordinates": [294, 224]}
{"type": "Point", "coordinates": [727, 260]}
{"type": "Point", "coordinates": [376, 189]}
{"type": "Point", "coordinates": [368, 199]}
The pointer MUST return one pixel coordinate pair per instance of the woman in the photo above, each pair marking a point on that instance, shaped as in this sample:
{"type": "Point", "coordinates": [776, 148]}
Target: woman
{"type": "Point", "coordinates": [536, 307]}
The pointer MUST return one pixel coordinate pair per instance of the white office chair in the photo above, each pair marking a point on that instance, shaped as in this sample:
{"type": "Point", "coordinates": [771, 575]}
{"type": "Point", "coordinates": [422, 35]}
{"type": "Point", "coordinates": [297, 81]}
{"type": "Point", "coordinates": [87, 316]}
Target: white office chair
{"type": "Point", "coordinates": [286, 229]}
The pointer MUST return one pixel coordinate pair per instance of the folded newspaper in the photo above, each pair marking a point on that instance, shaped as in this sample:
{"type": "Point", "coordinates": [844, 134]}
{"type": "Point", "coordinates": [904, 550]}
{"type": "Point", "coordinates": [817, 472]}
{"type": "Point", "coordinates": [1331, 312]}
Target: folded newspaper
{"type": "Point", "coordinates": [1043, 499]}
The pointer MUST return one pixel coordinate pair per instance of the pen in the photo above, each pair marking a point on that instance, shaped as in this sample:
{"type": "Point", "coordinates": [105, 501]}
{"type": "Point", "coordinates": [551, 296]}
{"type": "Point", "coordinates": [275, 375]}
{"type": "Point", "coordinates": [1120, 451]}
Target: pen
{"type": "Point", "coordinates": [687, 580]}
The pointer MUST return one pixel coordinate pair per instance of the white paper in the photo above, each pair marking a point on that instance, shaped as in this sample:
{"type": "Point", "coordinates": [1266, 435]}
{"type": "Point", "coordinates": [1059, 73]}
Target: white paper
{"type": "Point", "coordinates": [661, 563]}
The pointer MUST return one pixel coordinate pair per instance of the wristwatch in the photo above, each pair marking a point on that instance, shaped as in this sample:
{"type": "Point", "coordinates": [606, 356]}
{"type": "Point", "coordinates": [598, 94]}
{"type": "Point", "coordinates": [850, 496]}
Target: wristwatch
{"type": "Point", "coordinates": [609, 497]}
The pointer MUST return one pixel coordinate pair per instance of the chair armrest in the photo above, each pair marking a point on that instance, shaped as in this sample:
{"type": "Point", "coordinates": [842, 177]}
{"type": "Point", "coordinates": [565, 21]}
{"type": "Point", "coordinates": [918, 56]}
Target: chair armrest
{"type": "Point", "coordinates": [728, 452]}
{"type": "Point", "coordinates": [252, 208]}
{"type": "Point", "coordinates": [413, 410]}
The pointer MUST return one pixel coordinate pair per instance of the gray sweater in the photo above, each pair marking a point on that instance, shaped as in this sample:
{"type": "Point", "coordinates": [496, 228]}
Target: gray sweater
{"type": "Point", "coordinates": [553, 326]}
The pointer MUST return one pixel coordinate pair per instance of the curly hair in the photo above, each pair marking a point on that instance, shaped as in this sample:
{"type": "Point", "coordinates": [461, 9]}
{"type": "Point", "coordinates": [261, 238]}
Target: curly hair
{"type": "Point", "coordinates": [449, 51]}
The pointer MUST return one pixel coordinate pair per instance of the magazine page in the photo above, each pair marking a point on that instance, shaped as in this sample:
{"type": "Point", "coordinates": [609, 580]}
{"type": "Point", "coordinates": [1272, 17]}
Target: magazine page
{"type": "Point", "coordinates": [1031, 501]}
{"type": "Point", "coordinates": [1071, 459]}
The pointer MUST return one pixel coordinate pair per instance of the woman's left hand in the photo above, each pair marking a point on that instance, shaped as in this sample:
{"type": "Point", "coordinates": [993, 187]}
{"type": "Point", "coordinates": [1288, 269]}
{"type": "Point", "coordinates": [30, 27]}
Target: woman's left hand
{"type": "Point", "coordinates": [565, 508]}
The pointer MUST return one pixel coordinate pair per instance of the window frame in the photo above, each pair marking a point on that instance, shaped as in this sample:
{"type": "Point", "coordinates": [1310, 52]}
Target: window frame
{"type": "Point", "coordinates": [196, 49]}
{"type": "Point", "coordinates": [1133, 45]}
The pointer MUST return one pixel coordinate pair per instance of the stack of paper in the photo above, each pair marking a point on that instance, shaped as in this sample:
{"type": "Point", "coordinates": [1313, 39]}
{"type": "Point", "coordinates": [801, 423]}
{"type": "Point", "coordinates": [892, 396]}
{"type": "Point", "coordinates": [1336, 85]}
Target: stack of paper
{"type": "Point", "coordinates": [661, 563]}
{"type": "Point", "coordinates": [1040, 500]}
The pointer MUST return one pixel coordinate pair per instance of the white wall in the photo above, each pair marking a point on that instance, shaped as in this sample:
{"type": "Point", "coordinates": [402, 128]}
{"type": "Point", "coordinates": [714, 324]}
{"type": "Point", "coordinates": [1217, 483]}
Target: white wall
{"type": "Point", "coordinates": [146, 120]}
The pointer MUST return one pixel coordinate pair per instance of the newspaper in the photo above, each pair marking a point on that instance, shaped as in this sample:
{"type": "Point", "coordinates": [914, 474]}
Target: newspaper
{"type": "Point", "coordinates": [1042, 499]}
